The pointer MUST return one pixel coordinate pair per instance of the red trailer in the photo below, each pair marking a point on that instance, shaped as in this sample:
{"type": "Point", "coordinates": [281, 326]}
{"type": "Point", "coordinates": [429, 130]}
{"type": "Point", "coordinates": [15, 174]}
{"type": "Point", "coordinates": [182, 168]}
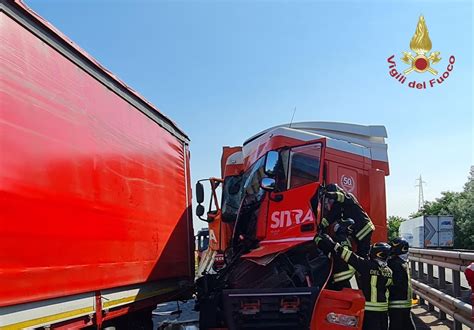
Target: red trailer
{"type": "Point", "coordinates": [95, 218]}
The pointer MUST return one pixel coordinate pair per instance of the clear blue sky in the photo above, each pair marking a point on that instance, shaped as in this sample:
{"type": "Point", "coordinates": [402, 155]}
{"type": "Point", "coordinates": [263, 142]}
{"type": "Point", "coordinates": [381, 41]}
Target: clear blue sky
{"type": "Point", "coordinates": [224, 70]}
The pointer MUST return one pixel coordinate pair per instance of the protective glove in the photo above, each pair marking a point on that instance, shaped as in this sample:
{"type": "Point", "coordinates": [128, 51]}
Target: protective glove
{"type": "Point", "coordinates": [325, 243]}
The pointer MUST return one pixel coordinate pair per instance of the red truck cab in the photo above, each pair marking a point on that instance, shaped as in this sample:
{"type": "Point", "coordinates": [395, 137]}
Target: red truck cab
{"type": "Point", "coordinates": [266, 190]}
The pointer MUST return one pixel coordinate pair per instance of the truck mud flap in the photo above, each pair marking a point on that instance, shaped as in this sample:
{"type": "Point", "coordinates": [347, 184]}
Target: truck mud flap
{"type": "Point", "coordinates": [283, 308]}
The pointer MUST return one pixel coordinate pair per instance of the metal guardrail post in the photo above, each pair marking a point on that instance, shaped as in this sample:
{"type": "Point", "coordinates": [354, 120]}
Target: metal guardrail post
{"type": "Point", "coordinates": [456, 283]}
{"type": "Point", "coordinates": [442, 286]}
{"type": "Point", "coordinates": [430, 282]}
{"type": "Point", "coordinates": [421, 270]}
{"type": "Point", "coordinates": [413, 269]}
{"type": "Point", "coordinates": [457, 325]}
{"type": "Point", "coordinates": [430, 274]}
{"type": "Point", "coordinates": [421, 276]}
{"type": "Point", "coordinates": [442, 315]}
{"type": "Point", "coordinates": [413, 275]}
{"type": "Point", "coordinates": [442, 278]}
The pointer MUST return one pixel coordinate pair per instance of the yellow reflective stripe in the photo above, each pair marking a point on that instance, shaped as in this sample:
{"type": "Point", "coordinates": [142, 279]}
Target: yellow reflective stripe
{"type": "Point", "coordinates": [345, 275]}
{"type": "Point", "coordinates": [340, 197]}
{"type": "Point", "coordinates": [343, 253]}
{"type": "Point", "coordinates": [376, 306]}
{"type": "Point", "coordinates": [399, 307]}
{"type": "Point", "coordinates": [399, 304]}
{"type": "Point", "coordinates": [137, 297]}
{"type": "Point", "coordinates": [365, 230]}
{"type": "Point", "coordinates": [349, 272]}
{"type": "Point", "coordinates": [373, 288]}
{"type": "Point", "coordinates": [387, 291]}
{"type": "Point", "coordinates": [376, 309]}
{"type": "Point", "coordinates": [49, 319]}
{"type": "Point", "coordinates": [340, 279]}
{"type": "Point", "coordinates": [361, 234]}
{"type": "Point", "coordinates": [325, 222]}
{"type": "Point", "coordinates": [317, 239]}
{"type": "Point", "coordinates": [346, 254]}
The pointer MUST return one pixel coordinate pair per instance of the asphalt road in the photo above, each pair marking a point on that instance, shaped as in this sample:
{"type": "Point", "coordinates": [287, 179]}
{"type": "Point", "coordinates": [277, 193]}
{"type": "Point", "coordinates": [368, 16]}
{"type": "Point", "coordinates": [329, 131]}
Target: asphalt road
{"type": "Point", "coordinates": [187, 316]}
{"type": "Point", "coordinates": [425, 320]}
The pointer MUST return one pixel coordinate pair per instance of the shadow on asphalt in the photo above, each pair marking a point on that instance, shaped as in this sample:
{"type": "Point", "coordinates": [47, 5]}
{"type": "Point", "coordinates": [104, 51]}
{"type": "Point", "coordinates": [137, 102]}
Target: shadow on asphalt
{"type": "Point", "coordinates": [166, 316]}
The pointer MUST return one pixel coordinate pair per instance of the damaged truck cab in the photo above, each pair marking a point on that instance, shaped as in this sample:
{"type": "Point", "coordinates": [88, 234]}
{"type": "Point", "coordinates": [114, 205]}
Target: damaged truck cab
{"type": "Point", "coordinates": [261, 265]}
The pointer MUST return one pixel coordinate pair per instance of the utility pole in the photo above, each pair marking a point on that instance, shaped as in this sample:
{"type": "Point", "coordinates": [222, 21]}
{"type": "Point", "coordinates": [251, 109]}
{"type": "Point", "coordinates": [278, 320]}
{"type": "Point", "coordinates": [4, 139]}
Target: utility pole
{"type": "Point", "coordinates": [421, 198]}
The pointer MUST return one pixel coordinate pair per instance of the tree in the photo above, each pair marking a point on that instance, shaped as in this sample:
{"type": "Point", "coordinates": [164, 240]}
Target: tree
{"type": "Point", "coordinates": [461, 206]}
{"type": "Point", "coordinates": [393, 224]}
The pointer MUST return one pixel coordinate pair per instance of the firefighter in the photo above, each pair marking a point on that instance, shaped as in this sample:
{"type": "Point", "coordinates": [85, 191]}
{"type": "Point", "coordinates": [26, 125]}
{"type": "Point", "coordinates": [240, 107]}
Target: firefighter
{"type": "Point", "coordinates": [341, 204]}
{"type": "Point", "coordinates": [342, 272]}
{"type": "Point", "coordinates": [375, 278]}
{"type": "Point", "coordinates": [399, 301]}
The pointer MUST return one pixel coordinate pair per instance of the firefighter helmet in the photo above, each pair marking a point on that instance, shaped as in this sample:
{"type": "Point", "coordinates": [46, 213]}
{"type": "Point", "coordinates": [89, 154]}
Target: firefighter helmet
{"type": "Point", "coordinates": [399, 246]}
{"type": "Point", "coordinates": [332, 187]}
{"type": "Point", "coordinates": [344, 226]}
{"type": "Point", "coordinates": [380, 251]}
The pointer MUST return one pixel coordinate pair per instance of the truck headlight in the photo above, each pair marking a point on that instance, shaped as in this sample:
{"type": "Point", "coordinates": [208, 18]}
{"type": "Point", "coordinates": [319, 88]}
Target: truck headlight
{"type": "Point", "coordinates": [342, 319]}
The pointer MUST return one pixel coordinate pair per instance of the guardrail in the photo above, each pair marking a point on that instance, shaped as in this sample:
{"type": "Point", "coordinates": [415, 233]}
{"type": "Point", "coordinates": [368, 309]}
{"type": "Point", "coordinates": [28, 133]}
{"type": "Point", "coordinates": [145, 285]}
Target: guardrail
{"type": "Point", "coordinates": [436, 290]}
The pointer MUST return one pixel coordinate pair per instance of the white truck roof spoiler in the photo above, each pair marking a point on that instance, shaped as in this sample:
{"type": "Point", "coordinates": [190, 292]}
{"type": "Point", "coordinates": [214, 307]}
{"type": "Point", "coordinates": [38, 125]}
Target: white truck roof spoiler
{"type": "Point", "coordinates": [368, 136]}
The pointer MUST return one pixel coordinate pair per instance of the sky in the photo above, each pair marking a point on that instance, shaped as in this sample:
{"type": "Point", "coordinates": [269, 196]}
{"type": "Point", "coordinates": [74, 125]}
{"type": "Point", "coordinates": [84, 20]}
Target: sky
{"type": "Point", "coordinates": [225, 70]}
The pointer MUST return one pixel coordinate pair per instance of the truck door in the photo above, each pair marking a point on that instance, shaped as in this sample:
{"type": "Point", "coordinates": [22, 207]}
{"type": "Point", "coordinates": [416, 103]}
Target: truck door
{"type": "Point", "coordinates": [219, 231]}
{"type": "Point", "coordinates": [290, 217]}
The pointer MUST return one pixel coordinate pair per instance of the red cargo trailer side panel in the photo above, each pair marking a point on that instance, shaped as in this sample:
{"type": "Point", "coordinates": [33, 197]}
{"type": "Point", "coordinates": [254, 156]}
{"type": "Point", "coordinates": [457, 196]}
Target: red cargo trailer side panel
{"type": "Point", "coordinates": [93, 193]}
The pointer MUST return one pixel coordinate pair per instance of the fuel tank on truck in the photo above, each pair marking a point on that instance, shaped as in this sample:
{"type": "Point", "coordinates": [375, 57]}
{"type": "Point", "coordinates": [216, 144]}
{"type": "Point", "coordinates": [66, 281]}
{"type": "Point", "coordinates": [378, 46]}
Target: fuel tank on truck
{"type": "Point", "coordinates": [94, 180]}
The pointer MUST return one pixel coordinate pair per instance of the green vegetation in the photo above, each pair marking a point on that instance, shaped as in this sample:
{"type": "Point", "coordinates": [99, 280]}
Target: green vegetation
{"type": "Point", "coordinates": [461, 206]}
{"type": "Point", "coordinates": [458, 204]}
{"type": "Point", "coordinates": [393, 224]}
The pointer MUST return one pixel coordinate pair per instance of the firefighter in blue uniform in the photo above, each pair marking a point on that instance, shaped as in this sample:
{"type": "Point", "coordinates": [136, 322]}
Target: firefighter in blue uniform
{"type": "Point", "coordinates": [375, 278]}
{"type": "Point", "coordinates": [399, 301]}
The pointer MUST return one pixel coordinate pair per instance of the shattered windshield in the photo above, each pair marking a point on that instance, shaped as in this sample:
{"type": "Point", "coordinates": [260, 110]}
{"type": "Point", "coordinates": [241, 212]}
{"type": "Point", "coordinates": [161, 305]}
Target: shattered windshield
{"type": "Point", "coordinates": [235, 186]}
{"type": "Point", "coordinates": [231, 197]}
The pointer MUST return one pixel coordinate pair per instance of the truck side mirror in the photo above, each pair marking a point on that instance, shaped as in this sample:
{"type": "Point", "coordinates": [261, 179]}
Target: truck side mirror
{"type": "Point", "coordinates": [199, 194]}
{"type": "Point", "coordinates": [200, 210]}
{"type": "Point", "coordinates": [271, 161]}
{"type": "Point", "coordinates": [267, 184]}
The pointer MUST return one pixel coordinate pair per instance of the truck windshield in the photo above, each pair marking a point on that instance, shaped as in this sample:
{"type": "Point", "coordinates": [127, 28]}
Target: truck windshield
{"type": "Point", "coordinates": [235, 186]}
{"type": "Point", "coordinates": [251, 198]}
{"type": "Point", "coordinates": [252, 178]}
{"type": "Point", "coordinates": [231, 197]}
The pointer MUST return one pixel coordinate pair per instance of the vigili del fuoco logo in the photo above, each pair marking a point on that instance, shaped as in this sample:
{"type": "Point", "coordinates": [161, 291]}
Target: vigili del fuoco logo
{"type": "Point", "coordinates": [421, 61]}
